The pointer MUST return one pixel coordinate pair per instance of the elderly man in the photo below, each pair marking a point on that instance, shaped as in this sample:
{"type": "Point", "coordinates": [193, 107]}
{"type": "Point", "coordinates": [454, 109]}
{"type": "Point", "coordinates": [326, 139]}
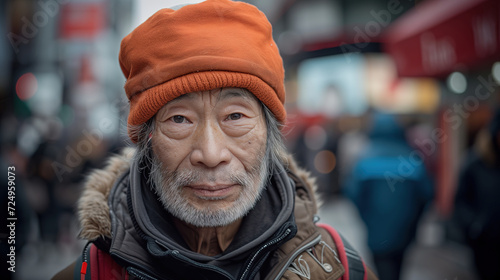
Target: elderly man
{"type": "Point", "coordinates": [209, 192]}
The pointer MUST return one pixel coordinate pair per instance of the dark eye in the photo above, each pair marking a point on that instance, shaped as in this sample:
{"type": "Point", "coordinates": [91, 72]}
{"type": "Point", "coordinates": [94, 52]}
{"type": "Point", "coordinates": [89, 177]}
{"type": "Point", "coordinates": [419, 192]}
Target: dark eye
{"type": "Point", "coordinates": [234, 116]}
{"type": "Point", "coordinates": [178, 119]}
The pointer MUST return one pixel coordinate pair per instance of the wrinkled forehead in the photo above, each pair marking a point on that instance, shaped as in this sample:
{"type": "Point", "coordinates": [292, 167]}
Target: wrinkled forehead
{"type": "Point", "coordinates": [220, 94]}
{"type": "Point", "coordinates": [217, 95]}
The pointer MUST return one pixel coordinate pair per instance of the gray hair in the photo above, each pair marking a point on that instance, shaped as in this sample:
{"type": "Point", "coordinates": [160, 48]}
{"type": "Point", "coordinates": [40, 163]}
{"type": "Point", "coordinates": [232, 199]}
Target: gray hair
{"type": "Point", "coordinates": [275, 145]}
{"type": "Point", "coordinates": [143, 134]}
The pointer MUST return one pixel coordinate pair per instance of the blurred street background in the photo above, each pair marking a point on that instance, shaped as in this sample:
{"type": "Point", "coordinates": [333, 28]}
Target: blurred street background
{"type": "Point", "coordinates": [392, 104]}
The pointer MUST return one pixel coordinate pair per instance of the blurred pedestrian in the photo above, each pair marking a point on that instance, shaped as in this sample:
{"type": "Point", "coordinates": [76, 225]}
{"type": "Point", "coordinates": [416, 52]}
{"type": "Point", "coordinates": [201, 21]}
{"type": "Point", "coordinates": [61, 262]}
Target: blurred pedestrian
{"type": "Point", "coordinates": [390, 187]}
{"type": "Point", "coordinates": [477, 207]}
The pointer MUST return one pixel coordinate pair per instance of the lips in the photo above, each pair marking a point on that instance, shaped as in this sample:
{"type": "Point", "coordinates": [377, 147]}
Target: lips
{"type": "Point", "coordinates": [212, 191]}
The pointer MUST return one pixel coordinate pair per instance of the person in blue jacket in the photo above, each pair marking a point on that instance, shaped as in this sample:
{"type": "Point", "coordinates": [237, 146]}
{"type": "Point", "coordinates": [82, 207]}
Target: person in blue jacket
{"type": "Point", "coordinates": [390, 187]}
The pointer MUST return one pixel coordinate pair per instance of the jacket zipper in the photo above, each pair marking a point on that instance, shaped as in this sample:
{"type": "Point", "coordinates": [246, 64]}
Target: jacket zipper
{"type": "Point", "coordinates": [85, 262]}
{"type": "Point", "coordinates": [270, 243]}
{"type": "Point", "coordinates": [85, 249]}
{"type": "Point", "coordinates": [296, 253]}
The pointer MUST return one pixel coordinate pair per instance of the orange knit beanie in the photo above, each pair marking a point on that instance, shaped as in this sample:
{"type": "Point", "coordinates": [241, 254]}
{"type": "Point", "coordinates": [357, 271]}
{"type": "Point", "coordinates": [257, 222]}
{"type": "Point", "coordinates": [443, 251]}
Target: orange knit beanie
{"type": "Point", "coordinates": [200, 47]}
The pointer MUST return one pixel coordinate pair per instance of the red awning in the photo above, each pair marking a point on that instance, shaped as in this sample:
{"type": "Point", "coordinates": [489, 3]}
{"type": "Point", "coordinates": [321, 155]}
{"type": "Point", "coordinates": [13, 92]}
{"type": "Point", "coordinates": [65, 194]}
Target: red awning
{"type": "Point", "coordinates": [441, 36]}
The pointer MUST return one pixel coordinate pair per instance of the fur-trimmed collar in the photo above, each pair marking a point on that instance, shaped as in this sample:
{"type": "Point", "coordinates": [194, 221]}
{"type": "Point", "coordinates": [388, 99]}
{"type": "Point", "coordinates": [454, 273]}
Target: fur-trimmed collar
{"type": "Point", "coordinates": [93, 209]}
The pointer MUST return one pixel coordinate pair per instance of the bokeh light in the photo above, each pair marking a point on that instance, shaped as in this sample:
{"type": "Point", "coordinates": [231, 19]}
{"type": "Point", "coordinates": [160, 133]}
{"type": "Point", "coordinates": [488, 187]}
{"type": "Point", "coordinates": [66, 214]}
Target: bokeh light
{"type": "Point", "coordinates": [325, 161]}
{"type": "Point", "coordinates": [26, 86]}
{"type": "Point", "coordinates": [315, 137]}
{"type": "Point", "coordinates": [457, 82]}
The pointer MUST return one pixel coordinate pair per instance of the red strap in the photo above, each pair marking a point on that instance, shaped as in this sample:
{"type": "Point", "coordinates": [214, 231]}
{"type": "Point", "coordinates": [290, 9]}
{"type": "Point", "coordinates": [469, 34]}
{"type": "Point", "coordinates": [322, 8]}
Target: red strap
{"type": "Point", "coordinates": [102, 266]}
{"type": "Point", "coordinates": [340, 248]}
{"type": "Point", "coordinates": [94, 265]}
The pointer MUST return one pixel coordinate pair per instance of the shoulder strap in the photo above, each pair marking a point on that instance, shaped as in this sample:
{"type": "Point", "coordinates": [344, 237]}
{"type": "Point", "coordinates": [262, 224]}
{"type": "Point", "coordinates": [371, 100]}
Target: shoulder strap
{"type": "Point", "coordinates": [353, 264]}
{"type": "Point", "coordinates": [97, 264]}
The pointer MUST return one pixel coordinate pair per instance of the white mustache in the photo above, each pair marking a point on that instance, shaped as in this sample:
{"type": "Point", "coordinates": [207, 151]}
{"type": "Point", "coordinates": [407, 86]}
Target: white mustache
{"type": "Point", "coordinates": [183, 178]}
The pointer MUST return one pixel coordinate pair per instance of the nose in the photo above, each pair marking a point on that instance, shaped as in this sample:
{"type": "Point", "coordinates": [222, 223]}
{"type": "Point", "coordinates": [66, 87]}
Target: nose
{"type": "Point", "coordinates": [210, 147]}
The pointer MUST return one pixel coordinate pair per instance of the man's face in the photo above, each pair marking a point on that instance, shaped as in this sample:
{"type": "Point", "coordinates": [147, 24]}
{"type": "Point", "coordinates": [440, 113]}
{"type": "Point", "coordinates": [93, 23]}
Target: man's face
{"type": "Point", "coordinates": [209, 156]}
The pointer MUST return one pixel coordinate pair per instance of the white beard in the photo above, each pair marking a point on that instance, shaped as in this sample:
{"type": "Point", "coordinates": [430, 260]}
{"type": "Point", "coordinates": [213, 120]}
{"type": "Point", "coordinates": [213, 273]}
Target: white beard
{"type": "Point", "coordinates": [168, 186]}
